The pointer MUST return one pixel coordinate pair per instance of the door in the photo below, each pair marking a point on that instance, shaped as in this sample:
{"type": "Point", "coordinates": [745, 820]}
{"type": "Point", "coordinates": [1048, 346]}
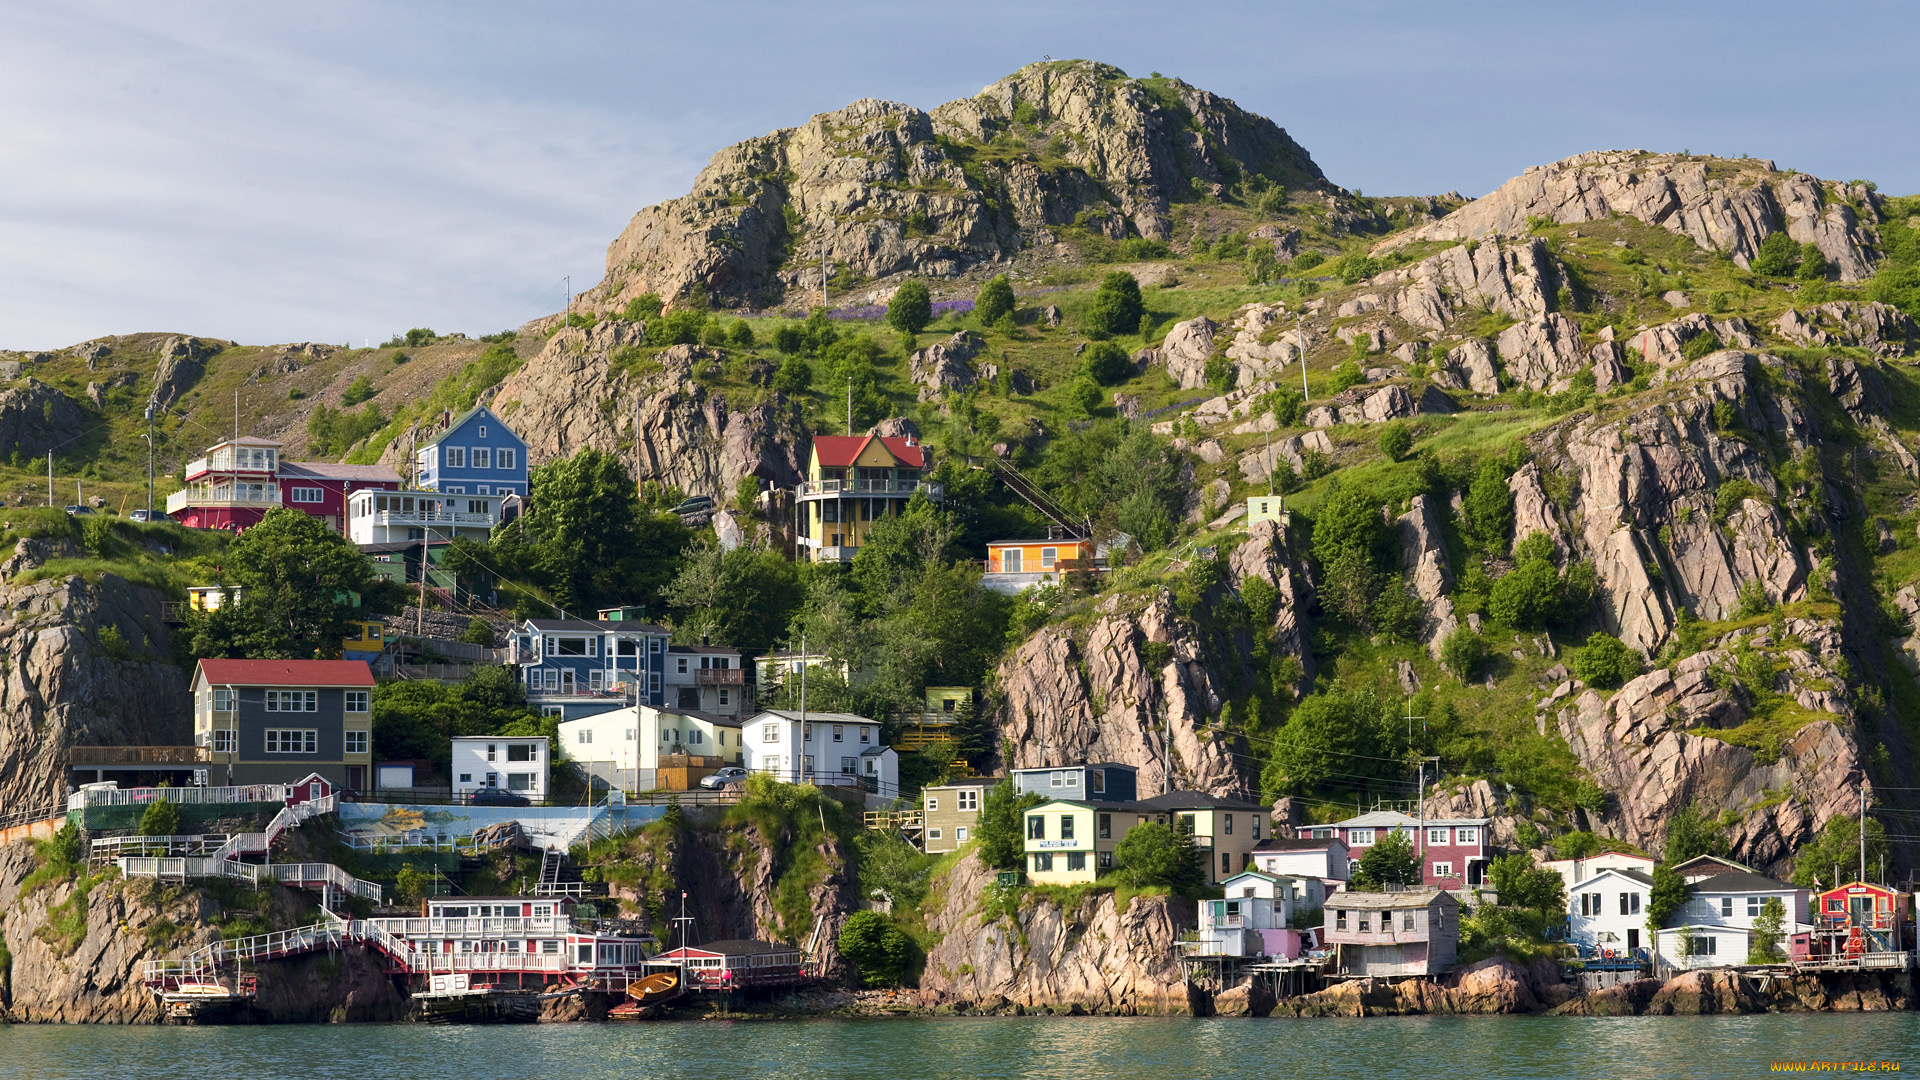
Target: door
{"type": "Point", "coordinates": [1633, 942]}
{"type": "Point", "coordinates": [1010, 561]}
{"type": "Point", "coordinates": [566, 680]}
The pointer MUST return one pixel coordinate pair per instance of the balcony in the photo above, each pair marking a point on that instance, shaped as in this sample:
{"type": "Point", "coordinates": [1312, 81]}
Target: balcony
{"type": "Point", "coordinates": [722, 676]}
{"type": "Point", "coordinates": [432, 517]}
{"type": "Point", "coordinates": [816, 489]}
{"type": "Point", "coordinates": [95, 757]}
{"type": "Point", "coordinates": [221, 497]}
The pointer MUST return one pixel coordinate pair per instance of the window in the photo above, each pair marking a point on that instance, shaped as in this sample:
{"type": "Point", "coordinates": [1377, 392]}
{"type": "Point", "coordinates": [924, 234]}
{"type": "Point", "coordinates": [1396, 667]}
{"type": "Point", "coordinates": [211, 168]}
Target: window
{"type": "Point", "coordinates": [1106, 826]}
{"type": "Point", "coordinates": [492, 752]}
{"type": "Point", "coordinates": [225, 740]}
{"type": "Point", "coordinates": [1066, 826]}
{"type": "Point", "coordinates": [1629, 903]}
{"type": "Point", "coordinates": [1438, 836]}
{"type": "Point", "coordinates": [933, 834]}
{"type": "Point", "coordinates": [682, 668]}
{"type": "Point", "coordinates": [504, 457]}
{"type": "Point", "coordinates": [584, 737]}
{"type": "Point", "coordinates": [479, 507]}
{"type": "Point", "coordinates": [596, 681]}
{"type": "Point", "coordinates": [1076, 860]}
{"type": "Point", "coordinates": [770, 733]}
{"type": "Point", "coordinates": [293, 701]}
{"type": "Point", "coordinates": [520, 781]}
{"type": "Point", "coordinates": [1753, 907]}
{"type": "Point", "coordinates": [306, 495]}
{"type": "Point", "coordinates": [1443, 869]}
{"type": "Point", "coordinates": [482, 457]}
{"type": "Point", "coordinates": [1589, 904]}
{"type": "Point", "coordinates": [1466, 836]}
{"type": "Point", "coordinates": [1097, 781]}
{"type": "Point", "coordinates": [960, 834]}
{"type": "Point", "coordinates": [1339, 920]}
{"type": "Point", "coordinates": [480, 431]}
{"type": "Point", "coordinates": [1043, 862]}
{"type": "Point", "coordinates": [866, 735]}
{"type": "Point", "coordinates": [1106, 860]}
{"type": "Point", "coordinates": [456, 457]}
{"type": "Point", "coordinates": [552, 710]}
{"type": "Point", "coordinates": [356, 701]}
{"type": "Point", "coordinates": [1726, 907]}
{"type": "Point", "coordinates": [466, 778]}
{"type": "Point", "coordinates": [1256, 826]}
{"type": "Point", "coordinates": [967, 800]}
{"type": "Point", "coordinates": [293, 741]}
{"type": "Point", "coordinates": [356, 742]}
{"type": "Point", "coordinates": [1056, 779]}
{"type": "Point", "coordinates": [1036, 827]}
{"type": "Point", "coordinates": [1359, 837]}
{"type": "Point", "coordinates": [838, 731]}
{"type": "Point", "coordinates": [1226, 825]}
{"type": "Point", "coordinates": [222, 699]}
{"type": "Point", "coordinates": [1706, 945]}
{"type": "Point", "coordinates": [1406, 920]}
{"type": "Point", "coordinates": [1047, 557]}
{"type": "Point", "coordinates": [1366, 923]}
{"type": "Point", "coordinates": [1226, 862]}
{"type": "Point", "coordinates": [933, 804]}
{"type": "Point", "coordinates": [483, 489]}
{"type": "Point", "coordinates": [522, 752]}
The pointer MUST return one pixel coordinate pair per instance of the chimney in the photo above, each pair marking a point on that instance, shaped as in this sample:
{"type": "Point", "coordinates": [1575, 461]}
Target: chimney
{"type": "Point", "coordinates": [705, 640]}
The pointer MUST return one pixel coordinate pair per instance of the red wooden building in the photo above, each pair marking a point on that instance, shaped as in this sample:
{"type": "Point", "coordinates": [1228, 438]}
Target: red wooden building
{"type": "Point", "coordinates": [737, 965]}
{"type": "Point", "coordinates": [320, 488]}
{"type": "Point", "coordinates": [1856, 925]}
{"type": "Point", "coordinates": [239, 480]}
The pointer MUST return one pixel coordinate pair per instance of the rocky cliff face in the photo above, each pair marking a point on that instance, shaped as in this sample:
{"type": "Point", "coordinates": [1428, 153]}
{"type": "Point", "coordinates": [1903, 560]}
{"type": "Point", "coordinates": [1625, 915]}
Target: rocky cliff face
{"type": "Point", "coordinates": [1136, 686]}
{"type": "Point", "coordinates": [1086, 957]}
{"type": "Point", "coordinates": [660, 420]}
{"type": "Point", "coordinates": [880, 188]}
{"type": "Point", "coordinates": [1722, 204]}
{"type": "Point", "coordinates": [65, 681]}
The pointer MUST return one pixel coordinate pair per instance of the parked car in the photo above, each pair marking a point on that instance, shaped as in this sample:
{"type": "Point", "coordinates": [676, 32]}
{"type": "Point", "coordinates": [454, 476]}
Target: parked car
{"type": "Point", "coordinates": [698, 504]}
{"type": "Point", "coordinates": [488, 796]}
{"type": "Point", "coordinates": [76, 510]}
{"type": "Point", "coordinates": [143, 514]}
{"type": "Point", "coordinates": [732, 774]}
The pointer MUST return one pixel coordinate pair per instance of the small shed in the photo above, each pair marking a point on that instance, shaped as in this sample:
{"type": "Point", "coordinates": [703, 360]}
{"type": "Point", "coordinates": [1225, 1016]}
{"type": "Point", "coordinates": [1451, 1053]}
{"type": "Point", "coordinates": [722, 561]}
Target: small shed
{"type": "Point", "coordinates": [311, 788]}
{"type": "Point", "coordinates": [737, 964]}
{"type": "Point", "coordinates": [1416, 932]}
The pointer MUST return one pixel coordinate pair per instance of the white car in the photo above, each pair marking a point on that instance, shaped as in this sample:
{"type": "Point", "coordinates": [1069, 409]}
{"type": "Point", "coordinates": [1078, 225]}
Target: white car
{"type": "Point", "coordinates": [732, 774]}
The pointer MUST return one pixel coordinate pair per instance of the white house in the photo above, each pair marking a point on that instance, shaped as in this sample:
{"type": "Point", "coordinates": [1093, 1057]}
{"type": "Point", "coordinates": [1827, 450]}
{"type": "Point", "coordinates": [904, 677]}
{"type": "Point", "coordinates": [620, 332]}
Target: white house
{"type": "Point", "coordinates": [625, 746]}
{"type": "Point", "coordinates": [383, 517]}
{"type": "Point", "coordinates": [706, 678]}
{"type": "Point", "coordinates": [822, 748]}
{"type": "Point", "coordinates": [1714, 927]}
{"type": "Point", "coordinates": [1608, 911]}
{"type": "Point", "coordinates": [1325, 858]}
{"type": "Point", "coordinates": [1251, 918]}
{"type": "Point", "coordinates": [518, 764]}
{"type": "Point", "coordinates": [1575, 871]}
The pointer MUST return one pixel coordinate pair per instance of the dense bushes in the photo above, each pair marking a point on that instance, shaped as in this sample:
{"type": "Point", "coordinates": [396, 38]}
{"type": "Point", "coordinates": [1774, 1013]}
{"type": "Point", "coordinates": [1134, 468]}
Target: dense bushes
{"type": "Point", "coordinates": [1340, 734]}
{"type": "Point", "coordinates": [1160, 855]}
{"type": "Point", "coordinates": [1107, 363]}
{"type": "Point", "coordinates": [1116, 307]}
{"type": "Point", "coordinates": [995, 300]}
{"type": "Point", "coordinates": [880, 950]}
{"type": "Point", "coordinates": [1605, 662]}
{"type": "Point", "coordinates": [911, 308]}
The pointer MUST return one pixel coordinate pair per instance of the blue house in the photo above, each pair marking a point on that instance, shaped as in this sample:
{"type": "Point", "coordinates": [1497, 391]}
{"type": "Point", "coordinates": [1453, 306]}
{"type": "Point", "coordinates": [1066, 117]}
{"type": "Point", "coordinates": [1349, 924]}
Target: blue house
{"type": "Point", "coordinates": [580, 667]}
{"type": "Point", "coordinates": [474, 454]}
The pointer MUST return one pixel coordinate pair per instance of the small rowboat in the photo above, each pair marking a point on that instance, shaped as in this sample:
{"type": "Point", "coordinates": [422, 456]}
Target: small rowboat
{"type": "Point", "coordinates": [656, 987]}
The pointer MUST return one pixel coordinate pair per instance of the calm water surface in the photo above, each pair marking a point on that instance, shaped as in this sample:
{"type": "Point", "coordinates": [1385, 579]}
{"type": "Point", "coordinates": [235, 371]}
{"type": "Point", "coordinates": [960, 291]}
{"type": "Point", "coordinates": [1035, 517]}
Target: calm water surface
{"type": "Point", "coordinates": [974, 1049]}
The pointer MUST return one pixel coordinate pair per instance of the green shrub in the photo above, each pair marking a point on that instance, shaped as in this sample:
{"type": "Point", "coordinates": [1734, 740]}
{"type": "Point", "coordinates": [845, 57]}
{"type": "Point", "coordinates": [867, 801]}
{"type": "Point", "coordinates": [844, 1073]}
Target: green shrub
{"type": "Point", "coordinates": [1699, 345]}
{"type": "Point", "coordinates": [911, 308]}
{"type": "Point", "coordinates": [644, 307]}
{"type": "Point", "coordinates": [1732, 493]}
{"type": "Point", "coordinates": [1107, 363]}
{"type": "Point", "coordinates": [1390, 861]}
{"type": "Point", "coordinates": [1605, 661]}
{"type": "Point", "coordinates": [1525, 596]}
{"type": "Point", "coordinates": [714, 333]}
{"type": "Point", "coordinates": [1155, 854]}
{"type": "Point", "coordinates": [1262, 265]}
{"type": "Point", "coordinates": [1220, 372]}
{"type": "Point", "coordinates": [358, 391]}
{"type": "Point", "coordinates": [1084, 395]}
{"type": "Point", "coordinates": [794, 376]}
{"type": "Point", "coordinates": [740, 334]}
{"type": "Point", "coordinates": [1353, 269]}
{"type": "Point", "coordinates": [478, 632]}
{"type": "Point", "coordinates": [789, 339]}
{"type": "Point", "coordinates": [1463, 652]}
{"type": "Point", "coordinates": [1344, 376]}
{"type": "Point", "coordinates": [1001, 829]}
{"type": "Point", "coordinates": [1396, 441]}
{"type": "Point", "coordinates": [1778, 256]}
{"type": "Point", "coordinates": [1489, 505]}
{"type": "Point", "coordinates": [1116, 307]}
{"type": "Point", "coordinates": [1307, 260]}
{"type": "Point", "coordinates": [1753, 600]}
{"type": "Point", "coordinates": [876, 947]}
{"type": "Point", "coordinates": [162, 818]}
{"type": "Point", "coordinates": [995, 300]}
{"type": "Point", "coordinates": [680, 327]}
{"type": "Point", "coordinates": [1813, 265]}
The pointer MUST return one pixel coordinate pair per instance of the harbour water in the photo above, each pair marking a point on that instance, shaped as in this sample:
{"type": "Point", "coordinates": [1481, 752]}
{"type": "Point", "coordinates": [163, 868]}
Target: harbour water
{"type": "Point", "coordinates": [1498, 1048]}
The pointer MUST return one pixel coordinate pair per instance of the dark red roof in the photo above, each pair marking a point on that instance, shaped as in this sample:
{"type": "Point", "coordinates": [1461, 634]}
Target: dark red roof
{"type": "Point", "coordinates": [839, 451]}
{"type": "Point", "coordinates": [287, 672]}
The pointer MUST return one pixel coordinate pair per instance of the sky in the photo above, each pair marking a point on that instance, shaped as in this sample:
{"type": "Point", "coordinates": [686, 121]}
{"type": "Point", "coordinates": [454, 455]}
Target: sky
{"type": "Point", "coordinates": [345, 170]}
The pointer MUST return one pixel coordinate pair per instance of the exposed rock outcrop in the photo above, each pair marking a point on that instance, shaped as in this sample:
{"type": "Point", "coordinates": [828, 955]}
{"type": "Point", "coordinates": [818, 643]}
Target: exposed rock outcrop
{"type": "Point", "coordinates": [1267, 555]}
{"type": "Point", "coordinates": [1093, 957]}
{"type": "Point", "coordinates": [1361, 405]}
{"type": "Point", "coordinates": [1518, 278]}
{"type": "Point", "coordinates": [1543, 352]}
{"type": "Point", "coordinates": [1112, 691]}
{"type": "Point", "coordinates": [1727, 205]}
{"type": "Point", "coordinates": [35, 418]}
{"type": "Point", "coordinates": [880, 189]}
{"type": "Point", "coordinates": [1469, 366]}
{"type": "Point", "coordinates": [1186, 349]}
{"type": "Point", "coordinates": [1873, 325]}
{"type": "Point", "coordinates": [943, 366]}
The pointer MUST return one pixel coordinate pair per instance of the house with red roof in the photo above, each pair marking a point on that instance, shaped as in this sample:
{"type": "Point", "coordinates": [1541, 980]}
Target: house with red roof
{"type": "Point", "coordinates": [277, 721]}
{"type": "Point", "coordinates": [853, 481]}
{"type": "Point", "coordinates": [238, 480]}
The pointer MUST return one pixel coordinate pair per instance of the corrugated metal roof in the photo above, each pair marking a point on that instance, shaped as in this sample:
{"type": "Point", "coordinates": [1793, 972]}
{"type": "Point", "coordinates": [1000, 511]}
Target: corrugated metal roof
{"type": "Point", "coordinates": [1412, 898]}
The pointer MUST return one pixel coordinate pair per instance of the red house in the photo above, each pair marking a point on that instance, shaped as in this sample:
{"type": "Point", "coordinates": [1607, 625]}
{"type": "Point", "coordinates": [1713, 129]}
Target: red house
{"type": "Point", "coordinates": [736, 964]}
{"type": "Point", "coordinates": [1855, 925]}
{"type": "Point", "coordinates": [239, 480]}
{"type": "Point", "coordinates": [1452, 851]}
{"type": "Point", "coordinates": [320, 488]}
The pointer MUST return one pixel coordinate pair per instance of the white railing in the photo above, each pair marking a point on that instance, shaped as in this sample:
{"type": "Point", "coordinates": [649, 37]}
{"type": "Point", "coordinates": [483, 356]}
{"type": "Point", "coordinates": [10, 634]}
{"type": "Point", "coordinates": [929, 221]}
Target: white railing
{"type": "Point", "coordinates": [181, 868]}
{"type": "Point", "coordinates": [500, 926]}
{"type": "Point", "coordinates": [869, 487]}
{"type": "Point", "coordinates": [109, 848]}
{"type": "Point", "coordinates": [178, 795]}
{"type": "Point", "coordinates": [215, 496]}
{"type": "Point", "coordinates": [443, 517]}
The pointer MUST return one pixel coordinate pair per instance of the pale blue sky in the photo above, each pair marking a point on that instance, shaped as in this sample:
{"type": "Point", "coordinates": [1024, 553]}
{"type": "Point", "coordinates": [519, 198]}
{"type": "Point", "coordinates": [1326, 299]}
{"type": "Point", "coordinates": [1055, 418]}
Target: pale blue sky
{"type": "Point", "coordinates": [339, 171]}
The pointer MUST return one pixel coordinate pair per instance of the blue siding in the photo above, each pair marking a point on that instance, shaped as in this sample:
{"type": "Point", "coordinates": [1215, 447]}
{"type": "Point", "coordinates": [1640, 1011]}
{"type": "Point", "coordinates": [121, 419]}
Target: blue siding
{"type": "Point", "coordinates": [449, 462]}
{"type": "Point", "coordinates": [567, 680]}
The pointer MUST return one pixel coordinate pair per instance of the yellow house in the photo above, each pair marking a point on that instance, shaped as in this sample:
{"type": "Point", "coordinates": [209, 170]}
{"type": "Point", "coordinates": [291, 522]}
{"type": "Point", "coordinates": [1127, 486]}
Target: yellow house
{"type": "Point", "coordinates": [369, 637]}
{"type": "Point", "coordinates": [1266, 508]}
{"type": "Point", "coordinates": [853, 481]}
{"type": "Point", "coordinates": [1224, 830]}
{"type": "Point", "coordinates": [1017, 565]}
{"type": "Point", "coordinates": [1071, 843]}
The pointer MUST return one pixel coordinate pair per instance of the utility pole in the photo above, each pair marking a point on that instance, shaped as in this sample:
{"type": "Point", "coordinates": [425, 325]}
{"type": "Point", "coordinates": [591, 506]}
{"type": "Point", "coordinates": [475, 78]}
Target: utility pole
{"type": "Point", "coordinates": [568, 319]}
{"type": "Point", "coordinates": [803, 697]}
{"type": "Point", "coordinates": [150, 458]}
{"type": "Point", "coordinates": [849, 404]}
{"type": "Point", "coordinates": [49, 478]}
{"type": "Point", "coordinates": [1300, 333]}
{"type": "Point", "coordinates": [1863, 831]}
{"type": "Point", "coordinates": [420, 619]}
{"type": "Point", "coordinates": [1422, 808]}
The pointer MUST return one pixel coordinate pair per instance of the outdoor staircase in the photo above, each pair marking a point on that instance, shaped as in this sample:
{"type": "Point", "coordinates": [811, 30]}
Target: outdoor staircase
{"type": "Point", "coordinates": [558, 877]}
{"type": "Point", "coordinates": [225, 860]}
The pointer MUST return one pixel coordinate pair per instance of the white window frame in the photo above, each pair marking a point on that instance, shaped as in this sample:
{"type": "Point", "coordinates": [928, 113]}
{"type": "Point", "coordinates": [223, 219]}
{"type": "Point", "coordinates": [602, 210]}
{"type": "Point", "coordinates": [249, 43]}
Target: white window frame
{"type": "Point", "coordinates": [770, 733]}
{"type": "Point", "coordinates": [934, 833]}
{"type": "Point", "coordinates": [1467, 835]}
{"type": "Point", "coordinates": [224, 741]}
{"type": "Point", "coordinates": [481, 456]}
{"type": "Point", "coordinates": [292, 740]}
{"type": "Point", "coordinates": [1443, 869]}
{"type": "Point", "coordinates": [223, 698]}
{"type": "Point", "coordinates": [285, 701]}
{"type": "Point", "coordinates": [456, 457]}
{"type": "Point", "coordinates": [1439, 837]}
{"type": "Point", "coordinates": [1360, 837]}
{"type": "Point", "coordinates": [357, 742]}
{"type": "Point", "coordinates": [505, 457]}
{"type": "Point", "coordinates": [967, 800]}
{"type": "Point", "coordinates": [358, 701]}
{"type": "Point", "coordinates": [933, 804]}
{"type": "Point", "coordinates": [584, 737]}
{"type": "Point", "coordinates": [306, 495]}
{"type": "Point", "coordinates": [960, 834]}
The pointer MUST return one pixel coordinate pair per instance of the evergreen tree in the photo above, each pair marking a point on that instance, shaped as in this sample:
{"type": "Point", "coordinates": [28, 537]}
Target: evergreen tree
{"type": "Point", "coordinates": [911, 308]}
